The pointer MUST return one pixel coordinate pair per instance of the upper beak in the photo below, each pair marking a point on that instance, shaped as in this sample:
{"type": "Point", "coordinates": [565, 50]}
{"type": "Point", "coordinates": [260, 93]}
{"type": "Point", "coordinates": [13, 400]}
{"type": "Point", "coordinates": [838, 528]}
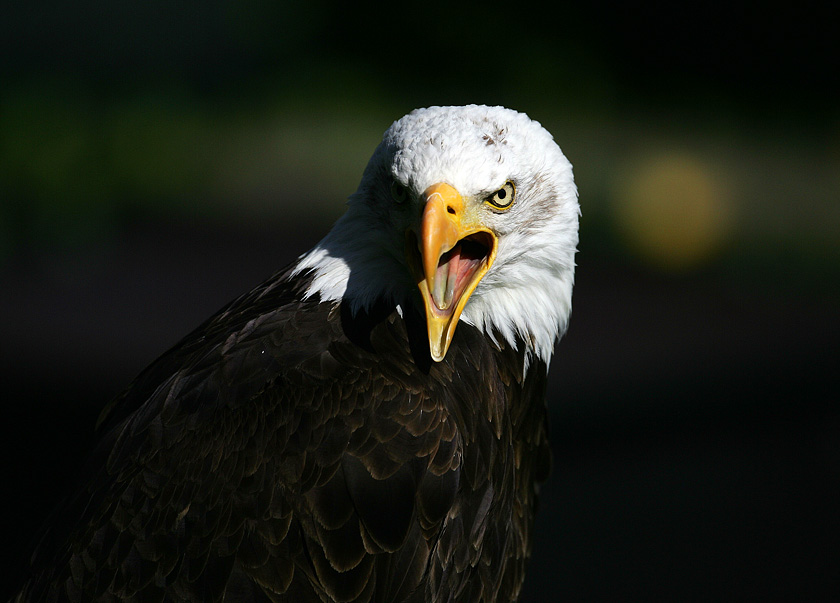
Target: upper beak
{"type": "Point", "coordinates": [455, 253]}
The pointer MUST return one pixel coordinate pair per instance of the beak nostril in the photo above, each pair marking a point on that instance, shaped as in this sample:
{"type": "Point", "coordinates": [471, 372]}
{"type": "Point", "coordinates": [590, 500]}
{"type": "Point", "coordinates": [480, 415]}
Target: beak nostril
{"type": "Point", "coordinates": [450, 209]}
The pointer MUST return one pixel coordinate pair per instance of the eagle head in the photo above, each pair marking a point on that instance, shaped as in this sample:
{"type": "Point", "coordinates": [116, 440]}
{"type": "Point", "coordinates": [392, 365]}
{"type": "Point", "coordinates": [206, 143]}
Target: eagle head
{"type": "Point", "coordinates": [473, 210]}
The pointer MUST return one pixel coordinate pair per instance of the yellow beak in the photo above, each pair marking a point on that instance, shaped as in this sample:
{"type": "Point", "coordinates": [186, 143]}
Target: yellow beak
{"type": "Point", "coordinates": [455, 253]}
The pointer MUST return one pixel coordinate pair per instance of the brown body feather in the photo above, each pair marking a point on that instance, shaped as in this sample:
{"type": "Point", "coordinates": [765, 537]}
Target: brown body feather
{"type": "Point", "coordinates": [287, 451]}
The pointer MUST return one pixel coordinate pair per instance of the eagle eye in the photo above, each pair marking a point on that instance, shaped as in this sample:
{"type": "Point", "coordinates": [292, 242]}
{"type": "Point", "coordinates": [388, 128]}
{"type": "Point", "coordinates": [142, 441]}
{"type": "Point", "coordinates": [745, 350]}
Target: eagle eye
{"type": "Point", "coordinates": [502, 198]}
{"type": "Point", "coordinates": [398, 192]}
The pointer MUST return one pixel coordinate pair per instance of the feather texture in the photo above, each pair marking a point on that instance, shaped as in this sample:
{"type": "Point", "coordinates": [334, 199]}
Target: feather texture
{"type": "Point", "coordinates": [269, 457]}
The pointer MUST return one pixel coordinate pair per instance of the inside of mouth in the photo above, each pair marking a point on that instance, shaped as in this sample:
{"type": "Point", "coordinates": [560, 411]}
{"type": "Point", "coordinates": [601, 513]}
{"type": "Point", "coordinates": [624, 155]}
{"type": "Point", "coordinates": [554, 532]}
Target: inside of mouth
{"type": "Point", "coordinates": [457, 269]}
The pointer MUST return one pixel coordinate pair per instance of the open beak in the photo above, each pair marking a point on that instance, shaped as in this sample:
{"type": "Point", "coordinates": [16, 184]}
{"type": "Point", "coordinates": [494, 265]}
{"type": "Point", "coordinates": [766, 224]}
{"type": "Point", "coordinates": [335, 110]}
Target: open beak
{"type": "Point", "coordinates": [449, 255]}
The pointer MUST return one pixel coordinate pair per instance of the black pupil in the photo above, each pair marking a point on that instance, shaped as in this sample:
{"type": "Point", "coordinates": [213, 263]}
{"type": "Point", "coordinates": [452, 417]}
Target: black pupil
{"type": "Point", "coordinates": [502, 194]}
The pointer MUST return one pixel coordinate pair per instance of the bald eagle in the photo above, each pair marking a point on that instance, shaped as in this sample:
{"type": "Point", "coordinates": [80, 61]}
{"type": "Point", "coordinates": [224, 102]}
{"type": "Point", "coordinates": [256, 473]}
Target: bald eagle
{"type": "Point", "coordinates": [369, 424]}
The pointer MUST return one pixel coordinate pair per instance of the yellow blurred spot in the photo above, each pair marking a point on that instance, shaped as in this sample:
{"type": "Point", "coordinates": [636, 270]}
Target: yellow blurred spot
{"type": "Point", "coordinates": [673, 211]}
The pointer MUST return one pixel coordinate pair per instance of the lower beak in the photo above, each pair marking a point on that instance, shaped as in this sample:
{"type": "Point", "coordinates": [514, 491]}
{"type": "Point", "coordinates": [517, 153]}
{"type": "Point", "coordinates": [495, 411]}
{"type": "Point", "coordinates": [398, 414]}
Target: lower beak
{"type": "Point", "coordinates": [453, 257]}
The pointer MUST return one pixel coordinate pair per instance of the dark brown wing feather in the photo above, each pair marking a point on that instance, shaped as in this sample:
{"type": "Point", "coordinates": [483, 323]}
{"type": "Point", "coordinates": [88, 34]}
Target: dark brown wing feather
{"type": "Point", "coordinates": [286, 451]}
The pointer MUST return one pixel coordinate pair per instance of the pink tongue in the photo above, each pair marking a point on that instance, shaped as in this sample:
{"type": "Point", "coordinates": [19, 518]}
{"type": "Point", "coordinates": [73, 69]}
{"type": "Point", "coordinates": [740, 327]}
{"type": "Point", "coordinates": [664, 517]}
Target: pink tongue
{"type": "Point", "coordinates": [446, 277]}
{"type": "Point", "coordinates": [452, 272]}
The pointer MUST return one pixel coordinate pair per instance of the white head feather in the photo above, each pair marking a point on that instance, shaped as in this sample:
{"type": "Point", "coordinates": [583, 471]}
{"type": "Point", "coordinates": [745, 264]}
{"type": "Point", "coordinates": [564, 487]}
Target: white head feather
{"type": "Point", "coordinates": [526, 296]}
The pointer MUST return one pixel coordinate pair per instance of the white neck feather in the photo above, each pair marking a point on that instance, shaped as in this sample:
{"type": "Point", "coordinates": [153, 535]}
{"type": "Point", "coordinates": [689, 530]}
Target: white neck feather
{"type": "Point", "coordinates": [523, 300]}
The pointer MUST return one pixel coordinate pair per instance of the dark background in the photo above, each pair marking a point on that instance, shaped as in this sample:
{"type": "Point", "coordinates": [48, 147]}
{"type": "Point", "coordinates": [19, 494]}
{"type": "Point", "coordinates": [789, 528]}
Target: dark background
{"type": "Point", "coordinates": [159, 158]}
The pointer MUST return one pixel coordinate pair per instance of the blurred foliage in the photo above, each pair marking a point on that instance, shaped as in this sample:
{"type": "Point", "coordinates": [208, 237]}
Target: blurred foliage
{"type": "Point", "coordinates": [697, 134]}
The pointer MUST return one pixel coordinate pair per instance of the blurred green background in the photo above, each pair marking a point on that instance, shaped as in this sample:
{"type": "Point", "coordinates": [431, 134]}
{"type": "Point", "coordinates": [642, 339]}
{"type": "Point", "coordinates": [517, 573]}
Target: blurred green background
{"type": "Point", "coordinates": [698, 134]}
{"type": "Point", "coordinates": [159, 158]}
